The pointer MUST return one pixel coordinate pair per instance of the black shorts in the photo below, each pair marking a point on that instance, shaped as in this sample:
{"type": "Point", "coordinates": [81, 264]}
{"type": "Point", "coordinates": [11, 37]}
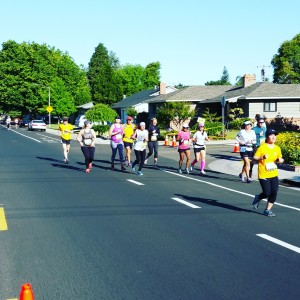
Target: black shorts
{"type": "Point", "coordinates": [127, 144]}
{"type": "Point", "coordinates": [67, 142]}
{"type": "Point", "coordinates": [196, 150]}
{"type": "Point", "coordinates": [183, 150]}
{"type": "Point", "coordinates": [247, 154]}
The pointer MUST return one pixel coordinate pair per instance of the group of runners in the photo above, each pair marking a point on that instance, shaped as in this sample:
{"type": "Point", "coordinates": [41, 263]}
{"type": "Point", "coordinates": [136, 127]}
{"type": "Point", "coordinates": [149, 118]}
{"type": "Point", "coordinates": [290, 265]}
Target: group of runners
{"type": "Point", "coordinates": [257, 145]}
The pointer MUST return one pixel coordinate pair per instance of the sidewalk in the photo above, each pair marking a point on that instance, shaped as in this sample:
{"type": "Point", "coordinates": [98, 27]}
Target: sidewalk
{"type": "Point", "coordinates": [232, 166]}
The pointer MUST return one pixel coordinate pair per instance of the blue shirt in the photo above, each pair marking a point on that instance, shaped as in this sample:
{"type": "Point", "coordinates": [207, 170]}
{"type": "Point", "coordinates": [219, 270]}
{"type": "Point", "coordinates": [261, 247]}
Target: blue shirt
{"type": "Point", "coordinates": [260, 134]}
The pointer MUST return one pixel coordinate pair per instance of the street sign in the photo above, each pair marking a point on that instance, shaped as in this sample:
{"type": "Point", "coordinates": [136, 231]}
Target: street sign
{"type": "Point", "coordinates": [223, 101]}
{"type": "Point", "coordinates": [49, 109]}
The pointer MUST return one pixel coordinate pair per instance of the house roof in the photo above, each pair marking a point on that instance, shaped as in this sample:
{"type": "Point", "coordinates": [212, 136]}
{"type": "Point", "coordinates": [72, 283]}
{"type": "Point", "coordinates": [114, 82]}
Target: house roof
{"type": "Point", "coordinates": [259, 90]}
{"type": "Point", "coordinates": [134, 99]}
{"type": "Point", "coordinates": [191, 93]}
{"type": "Point", "coordinates": [86, 105]}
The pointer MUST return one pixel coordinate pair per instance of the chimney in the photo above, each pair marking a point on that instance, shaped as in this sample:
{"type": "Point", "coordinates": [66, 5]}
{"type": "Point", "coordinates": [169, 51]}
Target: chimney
{"type": "Point", "coordinates": [162, 88]}
{"type": "Point", "coordinates": [249, 79]}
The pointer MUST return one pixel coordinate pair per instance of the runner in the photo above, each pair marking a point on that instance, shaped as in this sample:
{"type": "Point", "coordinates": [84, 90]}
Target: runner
{"type": "Point", "coordinates": [184, 137]}
{"type": "Point", "coordinates": [198, 140]}
{"type": "Point", "coordinates": [16, 123]}
{"type": "Point", "coordinates": [65, 130]}
{"type": "Point", "coordinates": [154, 132]}
{"type": "Point", "coordinates": [87, 138]}
{"type": "Point", "coordinates": [267, 156]}
{"type": "Point", "coordinates": [129, 129]}
{"type": "Point", "coordinates": [8, 120]}
{"type": "Point", "coordinates": [140, 145]}
{"type": "Point", "coordinates": [116, 142]}
{"type": "Point", "coordinates": [246, 138]}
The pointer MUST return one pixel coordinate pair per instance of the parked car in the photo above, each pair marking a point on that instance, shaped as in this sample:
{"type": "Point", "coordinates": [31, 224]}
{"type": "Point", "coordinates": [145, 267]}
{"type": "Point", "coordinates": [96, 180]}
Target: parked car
{"type": "Point", "coordinates": [24, 122]}
{"type": "Point", "coordinates": [79, 122]}
{"type": "Point", "coordinates": [37, 125]}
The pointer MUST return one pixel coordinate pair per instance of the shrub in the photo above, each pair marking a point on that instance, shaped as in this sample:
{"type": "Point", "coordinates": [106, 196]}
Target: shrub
{"type": "Point", "coordinates": [101, 129]}
{"type": "Point", "coordinates": [289, 142]}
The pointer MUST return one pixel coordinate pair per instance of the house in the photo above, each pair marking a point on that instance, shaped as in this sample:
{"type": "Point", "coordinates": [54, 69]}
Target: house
{"type": "Point", "coordinates": [267, 99]}
{"type": "Point", "coordinates": [82, 109]}
{"type": "Point", "coordinates": [137, 101]}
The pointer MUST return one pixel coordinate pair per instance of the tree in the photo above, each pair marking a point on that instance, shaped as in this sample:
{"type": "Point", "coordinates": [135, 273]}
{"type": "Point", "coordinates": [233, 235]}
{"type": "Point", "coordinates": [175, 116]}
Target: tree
{"type": "Point", "coordinates": [101, 113]}
{"type": "Point", "coordinates": [28, 70]}
{"type": "Point", "coordinates": [223, 81]}
{"type": "Point", "coordinates": [151, 75]}
{"type": "Point", "coordinates": [131, 111]}
{"type": "Point", "coordinates": [286, 62]}
{"type": "Point", "coordinates": [174, 112]}
{"type": "Point", "coordinates": [101, 76]}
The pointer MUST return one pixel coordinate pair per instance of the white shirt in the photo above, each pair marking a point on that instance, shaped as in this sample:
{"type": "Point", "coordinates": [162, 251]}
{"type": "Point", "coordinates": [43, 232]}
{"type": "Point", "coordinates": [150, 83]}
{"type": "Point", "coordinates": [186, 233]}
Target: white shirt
{"type": "Point", "coordinates": [199, 139]}
{"type": "Point", "coordinates": [140, 143]}
{"type": "Point", "coordinates": [246, 137]}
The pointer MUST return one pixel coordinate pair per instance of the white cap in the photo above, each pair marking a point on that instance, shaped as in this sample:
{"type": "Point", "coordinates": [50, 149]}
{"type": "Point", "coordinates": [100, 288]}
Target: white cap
{"type": "Point", "coordinates": [185, 125]}
{"type": "Point", "coordinates": [142, 124]}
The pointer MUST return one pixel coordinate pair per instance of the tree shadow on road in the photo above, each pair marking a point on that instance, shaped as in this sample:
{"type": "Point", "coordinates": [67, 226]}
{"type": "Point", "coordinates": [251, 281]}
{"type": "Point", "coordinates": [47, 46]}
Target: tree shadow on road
{"type": "Point", "coordinates": [214, 202]}
{"type": "Point", "coordinates": [225, 157]}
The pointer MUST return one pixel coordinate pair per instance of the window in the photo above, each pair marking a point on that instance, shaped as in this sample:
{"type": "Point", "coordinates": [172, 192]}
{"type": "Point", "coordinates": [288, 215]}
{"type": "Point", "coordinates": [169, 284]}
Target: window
{"type": "Point", "coordinates": [270, 106]}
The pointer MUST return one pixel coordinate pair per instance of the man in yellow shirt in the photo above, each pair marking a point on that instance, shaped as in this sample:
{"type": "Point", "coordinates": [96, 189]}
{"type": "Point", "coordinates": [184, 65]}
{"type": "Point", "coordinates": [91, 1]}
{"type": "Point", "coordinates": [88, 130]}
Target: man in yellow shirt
{"type": "Point", "coordinates": [268, 155]}
{"type": "Point", "coordinates": [129, 130]}
{"type": "Point", "coordinates": [65, 130]}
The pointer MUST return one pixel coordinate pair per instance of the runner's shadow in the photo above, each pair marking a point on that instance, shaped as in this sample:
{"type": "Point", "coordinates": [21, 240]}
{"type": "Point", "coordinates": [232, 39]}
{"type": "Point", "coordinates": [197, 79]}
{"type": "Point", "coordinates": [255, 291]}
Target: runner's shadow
{"type": "Point", "coordinates": [66, 166]}
{"type": "Point", "coordinates": [50, 159]}
{"type": "Point", "coordinates": [213, 202]}
{"type": "Point", "coordinates": [225, 157]}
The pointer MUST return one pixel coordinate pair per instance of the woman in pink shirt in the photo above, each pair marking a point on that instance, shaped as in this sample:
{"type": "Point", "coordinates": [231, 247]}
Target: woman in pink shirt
{"type": "Point", "coordinates": [184, 137]}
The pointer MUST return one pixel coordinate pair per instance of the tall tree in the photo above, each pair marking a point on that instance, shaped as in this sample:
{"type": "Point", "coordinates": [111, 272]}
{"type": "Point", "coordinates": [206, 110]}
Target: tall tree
{"type": "Point", "coordinates": [224, 80]}
{"type": "Point", "coordinates": [101, 76]}
{"type": "Point", "coordinates": [29, 70]}
{"type": "Point", "coordinates": [286, 62]}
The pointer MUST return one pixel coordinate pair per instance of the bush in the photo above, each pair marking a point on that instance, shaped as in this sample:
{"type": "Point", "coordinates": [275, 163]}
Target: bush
{"type": "Point", "coordinates": [101, 129]}
{"type": "Point", "coordinates": [282, 124]}
{"type": "Point", "coordinates": [289, 142]}
{"type": "Point", "coordinates": [237, 124]}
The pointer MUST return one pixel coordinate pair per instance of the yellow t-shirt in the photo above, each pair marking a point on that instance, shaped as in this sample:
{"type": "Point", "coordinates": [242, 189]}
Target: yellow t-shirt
{"type": "Point", "coordinates": [128, 132]}
{"type": "Point", "coordinates": [64, 129]}
{"type": "Point", "coordinates": [267, 168]}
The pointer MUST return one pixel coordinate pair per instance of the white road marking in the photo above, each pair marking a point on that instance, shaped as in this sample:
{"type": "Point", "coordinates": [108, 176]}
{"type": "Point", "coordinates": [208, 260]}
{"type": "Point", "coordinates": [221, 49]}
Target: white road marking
{"type": "Point", "coordinates": [26, 136]}
{"type": "Point", "coordinates": [186, 203]}
{"type": "Point", "coordinates": [279, 242]}
{"type": "Point", "coordinates": [228, 189]}
{"type": "Point", "coordinates": [135, 182]}
{"type": "Point", "coordinates": [45, 137]}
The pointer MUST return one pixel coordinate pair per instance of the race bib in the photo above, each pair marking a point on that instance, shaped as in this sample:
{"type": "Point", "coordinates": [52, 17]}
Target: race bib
{"type": "Point", "coordinates": [243, 149]}
{"type": "Point", "coordinates": [153, 138]}
{"type": "Point", "coordinates": [185, 142]}
{"type": "Point", "coordinates": [271, 166]}
{"type": "Point", "coordinates": [118, 136]}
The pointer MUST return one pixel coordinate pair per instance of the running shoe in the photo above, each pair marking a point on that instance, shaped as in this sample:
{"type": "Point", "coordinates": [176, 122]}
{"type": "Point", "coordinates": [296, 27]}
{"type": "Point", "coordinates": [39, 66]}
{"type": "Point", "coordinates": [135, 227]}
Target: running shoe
{"type": "Point", "coordinates": [179, 171]}
{"type": "Point", "coordinates": [187, 171]}
{"type": "Point", "coordinates": [156, 166]}
{"type": "Point", "coordinates": [87, 171]}
{"type": "Point", "coordinates": [202, 172]}
{"type": "Point", "coordinates": [145, 161]}
{"type": "Point", "coordinates": [241, 175]}
{"type": "Point", "coordinates": [123, 168]}
{"type": "Point", "coordinates": [269, 213]}
{"type": "Point", "coordinates": [126, 162]}
{"type": "Point", "coordinates": [192, 168]}
{"type": "Point", "coordinates": [249, 180]}
{"type": "Point", "coordinates": [90, 165]}
{"type": "Point", "coordinates": [255, 202]}
{"type": "Point", "coordinates": [140, 173]}
{"type": "Point", "coordinates": [133, 167]}
{"type": "Point", "coordinates": [66, 161]}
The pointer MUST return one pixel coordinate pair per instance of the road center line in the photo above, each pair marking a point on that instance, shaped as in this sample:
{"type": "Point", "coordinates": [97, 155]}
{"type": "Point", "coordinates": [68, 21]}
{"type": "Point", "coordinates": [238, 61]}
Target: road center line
{"type": "Point", "coordinates": [186, 203]}
{"type": "Point", "coordinates": [3, 224]}
{"type": "Point", "coordinates": [279, 242]}
{"type": "Point", "coordinates": [135, 182]}
{"type": "Point", "coordinates": [228, 189]}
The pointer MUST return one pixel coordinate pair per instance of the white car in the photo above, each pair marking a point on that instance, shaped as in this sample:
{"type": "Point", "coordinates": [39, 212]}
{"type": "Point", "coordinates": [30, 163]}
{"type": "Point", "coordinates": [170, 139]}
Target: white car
{"type": "Point", "coordinates": [79, 122]}
{"type": "Point", "coordinates": [37, 125]}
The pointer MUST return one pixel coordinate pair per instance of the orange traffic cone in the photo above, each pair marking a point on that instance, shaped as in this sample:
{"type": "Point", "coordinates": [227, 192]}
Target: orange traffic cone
{"type": "Point", "coordinates": [166, 141]}
{"type": "Point", "coordinates": [236, 148]}
{"type": "Point", "coordinates": [174, 144]}
{"type": "Point", "coordinates": [26, 292]}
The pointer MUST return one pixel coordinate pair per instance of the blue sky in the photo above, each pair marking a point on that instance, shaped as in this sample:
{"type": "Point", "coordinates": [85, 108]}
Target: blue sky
{"type": "Point", "coordinates": [193, 39]}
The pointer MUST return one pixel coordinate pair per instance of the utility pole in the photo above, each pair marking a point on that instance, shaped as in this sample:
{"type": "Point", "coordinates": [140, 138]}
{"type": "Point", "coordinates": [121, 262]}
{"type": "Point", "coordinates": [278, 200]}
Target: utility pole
{"type": "Point", "coordinates": [263, 72]}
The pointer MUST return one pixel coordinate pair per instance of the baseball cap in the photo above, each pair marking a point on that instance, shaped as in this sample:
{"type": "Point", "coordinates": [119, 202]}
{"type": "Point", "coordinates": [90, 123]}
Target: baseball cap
{"type": "Point", "coordinates": [65, 119]}
{"type": "Point", "coordinates": [261, 120]}
{"type": "Point", "coordinates": [117, 117]}
{"type": "Point", "coordinates": [142, 124]}
{"type": "Point", "coordinates": [271, 131]}
{"type": "Point", "coordinates": [185, 125]}
{"type": "Point", "coordinates": [201, 124]}
{"type": "Point", "coordinates": [87, 122]}
{"type": "Point", "coordinates": [129, 118]}
{"type": "Point", "coordinates": [247, 123]}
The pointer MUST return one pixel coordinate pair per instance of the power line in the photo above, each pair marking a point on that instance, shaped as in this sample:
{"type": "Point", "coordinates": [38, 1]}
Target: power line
{"type": "Point", "coordinates": [263, 72]}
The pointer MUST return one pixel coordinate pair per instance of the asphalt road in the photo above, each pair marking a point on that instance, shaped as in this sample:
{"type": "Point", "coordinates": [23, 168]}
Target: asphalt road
{"type": "Point", "coordinates": [114, 235]}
